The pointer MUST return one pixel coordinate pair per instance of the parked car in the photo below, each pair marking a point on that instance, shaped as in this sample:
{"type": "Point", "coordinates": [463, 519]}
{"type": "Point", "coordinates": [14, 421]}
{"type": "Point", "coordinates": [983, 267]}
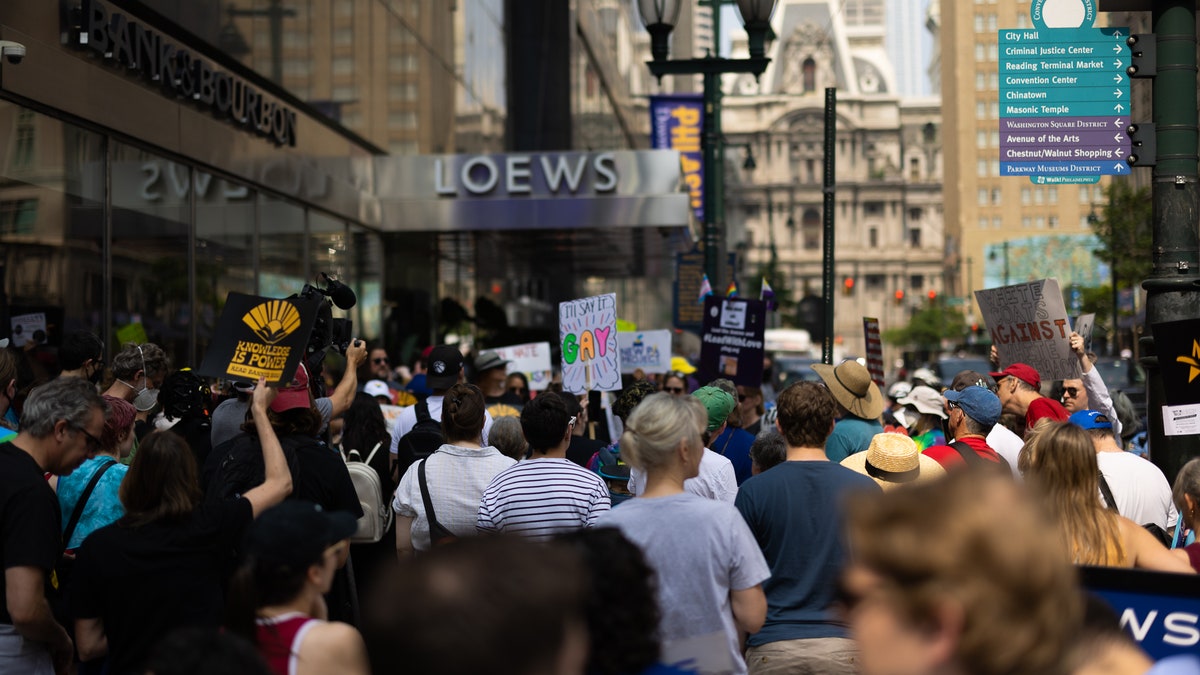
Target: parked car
{"type": "Point", "coordinates": [789, 369]}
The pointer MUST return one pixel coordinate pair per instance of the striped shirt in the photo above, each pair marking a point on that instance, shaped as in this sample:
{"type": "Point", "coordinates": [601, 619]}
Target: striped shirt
{"type": "Point", "coordinates": [538, 498]}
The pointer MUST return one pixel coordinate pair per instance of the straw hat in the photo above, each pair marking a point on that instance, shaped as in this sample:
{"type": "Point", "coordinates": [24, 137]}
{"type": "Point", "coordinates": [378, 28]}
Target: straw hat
{"type": "Point", "coordinates": [893, 460]}
{"type": "Point", "coordinates": [851, 385]}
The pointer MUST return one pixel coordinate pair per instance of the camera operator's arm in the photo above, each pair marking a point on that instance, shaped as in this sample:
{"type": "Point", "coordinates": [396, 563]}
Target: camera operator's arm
{"type": "Point", "coordinates": [343, 396]}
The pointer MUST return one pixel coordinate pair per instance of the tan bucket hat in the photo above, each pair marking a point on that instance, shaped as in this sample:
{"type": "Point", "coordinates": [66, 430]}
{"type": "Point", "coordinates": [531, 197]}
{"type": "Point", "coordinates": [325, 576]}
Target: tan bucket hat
{"type": "Point", "coordinates": [851, 385]}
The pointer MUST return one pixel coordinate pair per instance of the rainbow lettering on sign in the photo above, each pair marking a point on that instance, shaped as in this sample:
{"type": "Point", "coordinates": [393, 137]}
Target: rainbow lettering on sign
{"type": "Point", "coordinates": [588, 335]}
{"type": "Point", "coordinates": [585, 346]}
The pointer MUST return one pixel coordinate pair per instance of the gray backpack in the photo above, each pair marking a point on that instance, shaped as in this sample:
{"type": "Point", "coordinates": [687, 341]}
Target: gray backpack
{"type": "Point", "coordinates": [377, 512]}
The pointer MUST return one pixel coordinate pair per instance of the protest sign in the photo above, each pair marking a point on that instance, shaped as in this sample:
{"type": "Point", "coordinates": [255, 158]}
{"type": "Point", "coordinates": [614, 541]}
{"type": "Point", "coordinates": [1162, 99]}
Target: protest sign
{"type": "Point", "coordinates": [1177, 344]}
{"type": "Point", "coordinates": [259, 337]}
{"type": "Point", "coordinates": [533, 359]}
{"type": "Point", "coordinates": [874, 349]}
{"type": "Point", "coordinates": [1084, 325]}
{"type": "Point", "coordinates": [591, 357]}
{"type": "Point", "coordinates": [649, 350]}
{"type": "Point", "coordinates": [1028, 324]}
{"type": "Point", "coordinates": [732, 343]}
{"type": "Point", "coordinates": [29, 328]}
{"type": "Point", "coordinates": [1160, 611]}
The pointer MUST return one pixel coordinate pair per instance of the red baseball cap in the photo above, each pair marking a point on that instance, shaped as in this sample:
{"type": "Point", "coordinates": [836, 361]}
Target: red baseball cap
{"type": "Point", "coordinates": [1023, 372]}
{"type": "Point", "coordinates": [295, 394]}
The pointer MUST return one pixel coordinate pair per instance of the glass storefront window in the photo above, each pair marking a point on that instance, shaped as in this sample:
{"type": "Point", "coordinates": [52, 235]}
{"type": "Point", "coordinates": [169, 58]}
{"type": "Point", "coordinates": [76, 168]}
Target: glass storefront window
{"type": "Point", "coordinates": [366, 252]}
{"type": "Point", "coordinates": [225, 222]}
{"type": "Point", "coordinates": [282, 259]}
{"type": "Point", "coordinates": [150, 243]}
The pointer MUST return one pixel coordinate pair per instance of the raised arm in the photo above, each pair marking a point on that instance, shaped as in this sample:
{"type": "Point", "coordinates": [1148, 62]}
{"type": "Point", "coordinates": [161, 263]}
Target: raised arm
{"type": "Point", "coordinates": [277, 483]}
{"type": "Point", "coordinates": [1097, 392]}
{"type": "Point", "coordinates": [343, 395]}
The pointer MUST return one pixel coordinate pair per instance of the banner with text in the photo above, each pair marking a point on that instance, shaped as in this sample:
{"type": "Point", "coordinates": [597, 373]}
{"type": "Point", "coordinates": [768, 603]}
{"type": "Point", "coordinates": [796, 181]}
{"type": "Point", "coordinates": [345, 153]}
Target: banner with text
{"type": "Point", "coordinates": [874, 349]}
{"type": "Point", "coordinates": [732, 343]}
{"type": "Point", "coordinates": [1028, 324]}
{"type": "Point", "coordinates": [677, 123]}
{"type": "Point", "coordinates": [649, 350]}
{"type": "Point", "coordinates": [1161, 611]}
{"type": "Point", "coordinates": [259, 337]}
{"type": "Point", "coordinates": [591, 357]}
{"type": "Point", "coordinates": [533, 359]}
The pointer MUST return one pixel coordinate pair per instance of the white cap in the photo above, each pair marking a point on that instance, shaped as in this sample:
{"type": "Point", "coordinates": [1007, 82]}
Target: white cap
{"type": "Point", "coordinates": [377, 388]}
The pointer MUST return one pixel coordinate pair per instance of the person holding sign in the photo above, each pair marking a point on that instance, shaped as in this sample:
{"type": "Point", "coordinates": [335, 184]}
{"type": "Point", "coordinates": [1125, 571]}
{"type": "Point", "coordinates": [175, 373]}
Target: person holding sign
{"type": "Point", "coordinates": [1089, 393]}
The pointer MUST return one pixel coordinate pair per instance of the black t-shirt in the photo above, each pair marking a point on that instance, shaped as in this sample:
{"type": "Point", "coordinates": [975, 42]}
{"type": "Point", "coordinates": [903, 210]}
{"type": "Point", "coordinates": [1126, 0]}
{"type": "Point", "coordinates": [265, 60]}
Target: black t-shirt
{"type": "Point", "coordinates": [582, 448]}
{"type": "Point", "coordinates": [146, 581]}
{"type": "Point", "coordinates": [30, 520]}
{"type": "Point", "coordinates": [322, 478]}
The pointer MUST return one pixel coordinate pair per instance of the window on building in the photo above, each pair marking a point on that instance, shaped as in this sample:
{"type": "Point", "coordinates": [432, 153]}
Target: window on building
{"type": "Point", "coordinates": [343, 36]}
{"type": "Point", "coordinates": [1040, 222]}
{"type": "Point", "coordinates": [1022, 20]}
{"type": "Point", "coordinates": [1038, 196]}
{"type": "Point", "coordinates": [993, 52]}
{"type": "Point", "coordinates": [994, 108]}
{"type": "Point", "coordinates": [914, 237]}
{"type": "Point", "coordinates": [1026, 222]}
{"type": "Point", "coordinates": [18, 216]}
{"type": "Point", "coordinates": [873, 237]}
{"type": "Point", "coordinates": [297, 67]}
{"type": "Point", "coordinates": [402, 91]}
{"type": "Point", "coordinates": [402, 63]}
{"type": "Point", "coordinates": [808, 71]}
{"type": "Point", "coordinates": [981, 168]}
{"type": "Point", "coordinates": [916, 282]}
{"type": "Point", "coordinates": [1053, 222]}
{"type": "Point", "coordinates": [983, 223]}
{"type": "Point", "coordinates": [22, 153]}
{"type": "Point", "coordinates": [1084, 197]}
{"type": "Point", "coordinates": [978, 23]}
{"type": "Point", "coordinates": [343, 65]}
{"type": "Point", "coordinates": [997, 222]}
{"type": "Point", "coordinates": [980, 81]}
{"type": "Point", "coordinates": [996, 196]}
{"type": "Point", "coordinates": [995, 167]}
{"type": "Point", "coordinates": [874, 282]}
{"type": "Point", "coordinates": [1052, 195]}
{"type": "Point", "coordinates": [345, 93]}
{"type": "Point", "coordinates": [1026, 196]}
{"type": "Point", "coordinates": [405, 147]}
{"type": "Point", "coordinates": [873, 208]}
{"type": "Point", "coordinates": [983, 197]}
{"type": "Point", "coordinates": [810, 229]}
{"type": "Point", "coordinates": [1084, 223]}
{"type": "Point", "coordinates": [994, 81]}
{"type": "Point", "coordinates": [980, 52]}
{"type": "Point", "coordinates": [914, 169]}
{"type": "Point", "coordinates": [406, 119]}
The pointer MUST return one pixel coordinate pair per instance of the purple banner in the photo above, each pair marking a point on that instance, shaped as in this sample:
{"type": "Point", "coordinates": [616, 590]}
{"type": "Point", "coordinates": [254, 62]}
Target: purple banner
{"type": "Point", "coordinates": [1042, 139]}
{"type": "Point", "coordinates": [677, 123]}
{"type": "Point", "coordinates": [1033, 124]}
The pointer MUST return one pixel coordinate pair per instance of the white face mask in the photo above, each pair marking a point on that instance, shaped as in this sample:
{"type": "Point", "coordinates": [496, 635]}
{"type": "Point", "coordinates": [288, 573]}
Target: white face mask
{"type": "Point", "coordinates": [146, 399]}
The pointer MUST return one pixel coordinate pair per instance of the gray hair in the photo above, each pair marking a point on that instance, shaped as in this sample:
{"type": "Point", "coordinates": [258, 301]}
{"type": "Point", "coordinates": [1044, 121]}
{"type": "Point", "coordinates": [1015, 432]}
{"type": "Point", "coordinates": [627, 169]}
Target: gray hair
{"type": "Point", "coordinates": [507, 437]}
{"type": "Point", "coordinates": [1187, 482]}
{"type": "Point", "coordinates": [129, 360]}
{"type": "Point", "coordinates": [769, 448]}
{"type": "Point", "coordinates": [66, 398]}
{"type": "Point", "coordinates": [656, 426]}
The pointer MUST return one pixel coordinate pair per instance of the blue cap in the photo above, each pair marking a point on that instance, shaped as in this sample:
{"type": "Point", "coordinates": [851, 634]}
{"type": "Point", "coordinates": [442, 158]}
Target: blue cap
{"type": "Point", "coordinates": [1090, 419]}
{"type": "Point", "coordinates": [978, 403]}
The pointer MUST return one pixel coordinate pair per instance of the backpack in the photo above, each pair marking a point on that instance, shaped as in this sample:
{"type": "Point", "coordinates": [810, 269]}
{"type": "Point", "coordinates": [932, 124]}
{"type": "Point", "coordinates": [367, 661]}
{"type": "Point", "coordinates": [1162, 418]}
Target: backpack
{"type": "Point", "coordinates": [241, 467]}
{"type": "Point", "coordinates": [421, 441]}
{"type": "Point", "coordinates": [377, 512]}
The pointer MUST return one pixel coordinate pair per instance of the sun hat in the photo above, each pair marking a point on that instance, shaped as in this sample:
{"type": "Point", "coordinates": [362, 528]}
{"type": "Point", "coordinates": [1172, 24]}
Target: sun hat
{"type": "Point", "coordinates": [1090, 419]}
{"type": "Point", "coordinates": [294, 394]}
{"type": "Point", "coordinates": [893, 460]}
{"type": "Point", "coordinates": [295, 533]}
{"type": "Point", "coordinates": [978, 403]}
{"type": "Point", "coordinates": [899, 390]}
{"type": "Point", "coordinates": [488, 360]}
{"type": "Point", "coordinates": [1023, 372]}
{"type": "Point", "coordinates": [851, 385]}
{"type": "Point", "coordinates": [718, 402]}
{"type": "Point", "coordinates": [926, 400]}
{"type": "Point", "coordinates": [445, 364]}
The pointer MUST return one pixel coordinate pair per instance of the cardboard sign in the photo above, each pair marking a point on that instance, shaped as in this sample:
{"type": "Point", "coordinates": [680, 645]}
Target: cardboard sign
{"type": "Point", "coordinates": [259, 337]}
{"type": "Point", "coordinates": [1084, 325]}
{"type": "Point", "coordinates": [591, 357]}
{"type": "Point", "coordinates": [1178, 346]}
{"type": "Point", "coordinates": [1159, 610]}
{"type": "Point", "coordinates": [533, 359]}
{"type": "Point", "coordinates": [1028, 323]}
{"type": "Point", "coordinates": [732, 343]}
{"type": "Point", "coordinates": [874, 349]}
{"type": "Point", "coordinates": [649, 350]}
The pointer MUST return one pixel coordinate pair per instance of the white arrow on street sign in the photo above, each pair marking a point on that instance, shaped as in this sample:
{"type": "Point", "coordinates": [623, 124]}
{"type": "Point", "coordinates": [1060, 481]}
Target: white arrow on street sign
{"type": "Point", "coordinates": [1116, 123]}
{"type": "Point", "coordinates": [1116, 49]}
{"type": "Point", "coordinates": [1118, 107]}
{"type": "Point", "coordinates": [1118, 138]}
{"type": "Point", "coordinates": [1117, 93]}
{"type": "Point", "coordinates": [1116, 64]}
{"type": "Point", "coordinates": [1117, 33]}
{"type": "Point", "coordinates": [1118, 79]}
{"type": "Point", "coordinates": [1118, 167]}
{"type": "Point", "coordinates": [1119, 152]}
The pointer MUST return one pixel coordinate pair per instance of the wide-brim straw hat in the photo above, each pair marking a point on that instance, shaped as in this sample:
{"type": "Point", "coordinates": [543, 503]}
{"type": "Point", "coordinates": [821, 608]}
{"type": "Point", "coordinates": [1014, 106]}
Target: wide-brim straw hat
{"type": "Point", "coordinates": [893, 460]}
{"type": "Point", "coordinates": [851, 385]}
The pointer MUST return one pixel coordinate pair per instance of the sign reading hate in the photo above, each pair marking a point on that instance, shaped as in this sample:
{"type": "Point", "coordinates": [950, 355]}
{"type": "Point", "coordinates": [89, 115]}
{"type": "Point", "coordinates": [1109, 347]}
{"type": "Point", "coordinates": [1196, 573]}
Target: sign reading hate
{"type": "Point", "coordinates": [259, 337]}
{"type": "Point", "coordinates": [591, 357]}
{"type": "Point", "coordinates": [1028, 324]}
{"type": "Point", "coordinates": [532, 358]}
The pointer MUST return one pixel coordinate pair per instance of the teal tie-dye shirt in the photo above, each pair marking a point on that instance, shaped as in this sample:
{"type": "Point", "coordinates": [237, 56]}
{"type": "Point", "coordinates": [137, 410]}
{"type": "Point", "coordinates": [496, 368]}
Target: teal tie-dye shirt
{"type": "Point", "coordinates": [103, 506]}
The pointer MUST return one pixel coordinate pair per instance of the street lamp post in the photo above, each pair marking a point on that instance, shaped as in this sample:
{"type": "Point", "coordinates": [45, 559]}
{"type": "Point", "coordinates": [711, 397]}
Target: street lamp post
{"type": "Point", "coordinates": [660, 17]}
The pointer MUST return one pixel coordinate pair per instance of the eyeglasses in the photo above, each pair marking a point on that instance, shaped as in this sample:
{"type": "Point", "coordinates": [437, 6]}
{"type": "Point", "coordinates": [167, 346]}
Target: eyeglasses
{"type": "Point", "coordinates": [952, 405]}
{"type": "Point", "coordinates": [742, 397]}
{"type": "Point", "coordinates": [673, 390]}
{"type": "Point", "coordinates": [93, 443]}
{"type": "Point", "coordinates": [1070, 391]}
{"type": "Point", "coordinates": [379, 360]}
{"type": "Point", "coordinates": [516, 390]}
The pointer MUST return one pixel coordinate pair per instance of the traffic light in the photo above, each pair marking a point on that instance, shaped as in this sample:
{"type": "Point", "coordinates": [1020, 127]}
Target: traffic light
{"type": "Point", "coordinates": [899, 296]}
{"type": "Point", "coordinates": [932, 295]}
{"type": "Point", "coordinates": [848, 286]}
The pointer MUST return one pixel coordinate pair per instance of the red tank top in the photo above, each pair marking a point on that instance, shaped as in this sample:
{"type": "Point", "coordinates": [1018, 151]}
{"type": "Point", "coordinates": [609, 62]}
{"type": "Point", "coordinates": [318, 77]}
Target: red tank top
{"type": "Point", "coordinates": [279, 639]}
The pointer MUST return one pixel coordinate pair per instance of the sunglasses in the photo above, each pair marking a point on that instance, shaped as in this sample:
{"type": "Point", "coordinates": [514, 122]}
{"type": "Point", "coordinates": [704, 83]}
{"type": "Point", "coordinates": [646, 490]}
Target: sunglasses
{"type": "Point", "coordinates": [516, 390]}
{"type": "Point", "coordinates": [673, 390]}
{"type": "Point", "coordinates": [379, 361]}
{"type": "Point", "coordinates": [1070, 391]}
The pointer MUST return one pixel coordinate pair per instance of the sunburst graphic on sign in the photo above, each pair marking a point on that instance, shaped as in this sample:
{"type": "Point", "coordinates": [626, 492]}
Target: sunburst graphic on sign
{"type": "Point", "coordinates": [1193, 361]}
{"type": "Point", "coordinates": [273, 321]}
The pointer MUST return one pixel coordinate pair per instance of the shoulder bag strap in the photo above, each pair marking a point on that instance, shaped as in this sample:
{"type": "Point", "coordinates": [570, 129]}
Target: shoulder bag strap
{"type": "Point", "coordinates": [423, 412]}
{"type": "Point", "coordinates": [374, 450]}
{"type": "Point", "coordinates": [1108, 495]}
{"type": "Point", "coordinates": [83, 499]}
{"type": "Point", "coordinates": [967, 453]}
{"type": "Point", "coordinates": [436, 531]}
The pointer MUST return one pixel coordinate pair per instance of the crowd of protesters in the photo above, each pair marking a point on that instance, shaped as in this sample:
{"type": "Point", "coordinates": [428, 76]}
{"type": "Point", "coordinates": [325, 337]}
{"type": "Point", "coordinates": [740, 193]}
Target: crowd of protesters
{"type": "Point", "coordinates": [444, 517]}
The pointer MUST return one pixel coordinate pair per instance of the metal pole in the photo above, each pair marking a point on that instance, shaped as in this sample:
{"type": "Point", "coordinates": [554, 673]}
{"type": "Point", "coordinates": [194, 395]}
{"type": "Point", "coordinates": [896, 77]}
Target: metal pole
{"type": "Point", "coordinates": [712, 83]}
{"type": "Point", "coordinates": [1172, 287]}
{"type": "Point", "coordinates": [827, 209]}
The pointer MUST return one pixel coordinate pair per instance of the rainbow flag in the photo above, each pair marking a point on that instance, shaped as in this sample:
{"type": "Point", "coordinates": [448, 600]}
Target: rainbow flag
{"type": "Point", "coordinates": [732, 291]}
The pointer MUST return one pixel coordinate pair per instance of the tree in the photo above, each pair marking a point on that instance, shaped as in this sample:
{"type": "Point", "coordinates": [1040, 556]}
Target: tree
{"type": "Point", "coordinates": [1125, 228]}
{"type": "Point", "coordinates": [928, 327]}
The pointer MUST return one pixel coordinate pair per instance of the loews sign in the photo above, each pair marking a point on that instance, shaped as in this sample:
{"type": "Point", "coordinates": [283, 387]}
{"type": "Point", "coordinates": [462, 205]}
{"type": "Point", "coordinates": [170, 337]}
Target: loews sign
{"type": "Point", "coordinates": [144, 51]}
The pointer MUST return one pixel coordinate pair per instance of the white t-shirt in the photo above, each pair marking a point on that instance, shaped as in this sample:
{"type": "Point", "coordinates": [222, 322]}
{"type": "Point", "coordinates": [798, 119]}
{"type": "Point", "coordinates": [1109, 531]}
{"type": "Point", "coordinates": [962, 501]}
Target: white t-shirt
{"type": "Point", "coordinates": [541, 497]}
{"type": "Point", "coordinates": [408, 419]}
{"type": "Point", "coordinates": [1006, 444]}
{"type": "Point", "coordinates": [716, 479]}
{"type": "Point", "coordinates": [1142, 492]}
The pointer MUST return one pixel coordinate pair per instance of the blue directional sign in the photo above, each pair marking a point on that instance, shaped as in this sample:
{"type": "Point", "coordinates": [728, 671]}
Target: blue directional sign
{"type": "Point", "coordinates": [1064, 103]}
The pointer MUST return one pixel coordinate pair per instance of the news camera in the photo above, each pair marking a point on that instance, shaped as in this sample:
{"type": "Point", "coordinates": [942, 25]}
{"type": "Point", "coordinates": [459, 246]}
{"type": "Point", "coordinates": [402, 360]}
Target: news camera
{"type": "Point", "coordinates": [327, 331]}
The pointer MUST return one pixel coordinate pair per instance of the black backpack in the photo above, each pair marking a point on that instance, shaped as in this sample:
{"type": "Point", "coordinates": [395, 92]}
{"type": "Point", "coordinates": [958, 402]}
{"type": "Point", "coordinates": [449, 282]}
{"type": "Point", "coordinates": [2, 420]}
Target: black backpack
{"type": "Point", "coordinates": [421, 441]}
{"type": "Point", "coordinates": [241, 467]}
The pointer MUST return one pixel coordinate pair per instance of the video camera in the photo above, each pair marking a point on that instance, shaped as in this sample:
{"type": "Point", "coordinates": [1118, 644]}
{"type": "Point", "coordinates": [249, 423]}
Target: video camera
{"type": "Point", "coordinates": [328, 331]}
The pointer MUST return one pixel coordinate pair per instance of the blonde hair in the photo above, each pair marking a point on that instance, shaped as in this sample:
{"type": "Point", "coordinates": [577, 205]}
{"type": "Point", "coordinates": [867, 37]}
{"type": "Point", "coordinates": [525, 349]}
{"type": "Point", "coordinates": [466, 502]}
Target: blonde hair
{"type": "Point", "coordinates": [976, 541]}
{"type": "Point", "coordinates": [656, 426]}
{"type": "Point", "coordinates": [1059, 462]}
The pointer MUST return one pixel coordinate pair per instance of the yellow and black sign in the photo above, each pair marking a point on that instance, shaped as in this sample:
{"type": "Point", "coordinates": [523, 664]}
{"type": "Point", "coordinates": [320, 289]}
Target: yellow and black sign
{"type": "Point", "coordinates": [259, 337]}
{"type": "Point", "coordinates": [1178, 346]}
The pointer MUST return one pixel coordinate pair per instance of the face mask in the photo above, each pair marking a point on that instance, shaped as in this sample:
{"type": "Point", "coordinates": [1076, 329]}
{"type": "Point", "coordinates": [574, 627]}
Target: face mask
{"type": "Point", "coordinates": [146, 399]}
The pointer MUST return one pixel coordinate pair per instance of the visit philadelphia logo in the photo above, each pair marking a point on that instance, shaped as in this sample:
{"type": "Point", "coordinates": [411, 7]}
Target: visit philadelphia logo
{"type": "Point", "coordinates": [1193, 361]}
{"type": "Point", "coordinates": [273, 321]}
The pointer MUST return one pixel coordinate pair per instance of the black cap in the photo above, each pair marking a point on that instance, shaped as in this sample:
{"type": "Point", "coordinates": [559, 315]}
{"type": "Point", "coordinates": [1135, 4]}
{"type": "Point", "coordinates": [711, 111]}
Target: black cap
{"type": "Point", "coordinates": [445, 363]}
{"type": "Point", "coordinates": [296, 533]}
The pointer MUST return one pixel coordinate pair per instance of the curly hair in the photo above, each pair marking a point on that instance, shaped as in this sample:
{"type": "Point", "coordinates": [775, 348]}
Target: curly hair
{"type": "Point", "coordinates": [806, 413]}
{"type": "Point", "coordinates": [630, 397]}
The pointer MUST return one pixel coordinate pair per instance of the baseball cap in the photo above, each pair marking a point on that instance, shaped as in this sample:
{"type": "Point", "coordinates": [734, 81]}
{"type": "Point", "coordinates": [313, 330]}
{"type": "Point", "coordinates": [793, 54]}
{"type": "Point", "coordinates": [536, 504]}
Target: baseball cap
{"type": "Point", "coordinates": [1023, 372]}
{"type": "Point", "coordinates": [295, 533]}
{"type": "Point", "coordinates": [377, 388]}
{"type": "Point", "coordinates": [1090, 419]}
{"type": "Point", "coordinates": [295, 394]}
{"type": "Point", "coordinates": [488, 360]}
{"type": "Point", "coordinates": [718, 402]}
{"type": "Point", "coordinates": [445, 363]}
{"type": "Point", "coordinates": [978, 403]}
{"type": "Point", "coordinates": [681, 365]}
